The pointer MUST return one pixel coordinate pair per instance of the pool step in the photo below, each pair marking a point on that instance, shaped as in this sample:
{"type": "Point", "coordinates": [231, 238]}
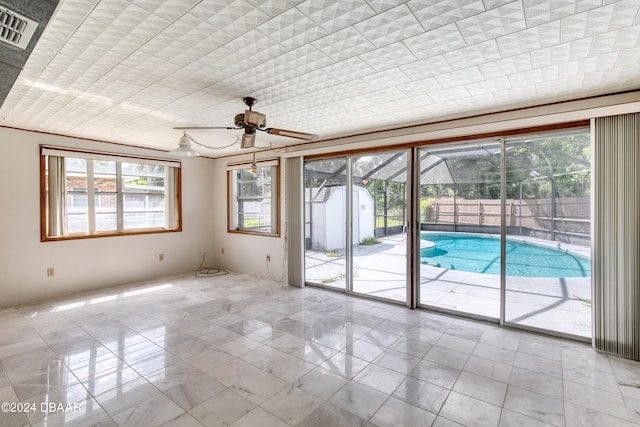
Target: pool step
{"type": "Point", "coordinates": [432, 263]}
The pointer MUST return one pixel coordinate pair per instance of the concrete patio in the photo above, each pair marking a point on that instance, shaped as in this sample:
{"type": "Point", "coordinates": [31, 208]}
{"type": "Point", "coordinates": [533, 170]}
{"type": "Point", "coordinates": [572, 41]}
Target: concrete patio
{"type": "Point", "coordinates": [558, 304]}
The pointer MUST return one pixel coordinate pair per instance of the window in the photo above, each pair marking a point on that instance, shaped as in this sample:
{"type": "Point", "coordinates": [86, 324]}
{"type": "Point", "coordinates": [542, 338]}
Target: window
{"type": "Point", "coordinates": [89, 194]}
{"type": "Point", "coordinates": [253, 198]}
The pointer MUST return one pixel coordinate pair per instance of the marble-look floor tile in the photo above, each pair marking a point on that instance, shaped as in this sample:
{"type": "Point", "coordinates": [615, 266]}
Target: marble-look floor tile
{"type": "Point", "coordinates": [240, 346]}
{"type": "Point", "coordinates": [330, 415]}
{"type": "Point", "coordinates": [190, 348]}
{"type": "Point", "coordinates": [596, 399]}
{"type": "Point", "coordinates": [633, 409]}
{"type": "Point", "coordinates": [84, 413]}
{"type": "Point", "coordinates": [469, 411]}
{"type": "Point", "coordinates": [95, 365]}
{"type": "Point", "coordinates": [422, 334]}
{"type": "Point", "coordinates": [314, 353]}
{"type": "Point", "coordinates": [344, 364]}
{"type": "Point", "coordinates": [542, 349]}
{"type": "Point", "coordinates": [381, 338]}
{"type": "Point", "coordinates": [364, 350]}
{"type": "Point", "coordinates": [451, 342]}
{"type": "Point", "coordinates": [232, 371]}
{"type": "Point", "coordinates": [435, 373]}
{"type": "Point", "coordinates": [194, 391]}
{"type": "Point", "coordinates": [412, 347]}
{"type": "Point", "coordinates": [396, 413]}
{"type": "Point", "coordinates": [111, 378]}
{"type": "Point", "coordinates": [321, 382]}
{"type": "Point", "coordinates": [130, 394]}
{"type": "Point", "coordinates": [7, 395]}
{"type": "Point", "coordinates": [380, 378]}
{"type": "Point", "coordinates": [259, 417]}
{"type": "Point", "coordinates": [288, 343]}
{"type": "Point", "coordinates": [222, 409]}
{"type": "Point", "coordinates": [537, 383]}
{"type": "Point", "coordinates": [535, 405]}
{"type": "Point", "coordinates": [290, 368]}
{"type": "Point", "coordinates": [576, 415]}
{"type": "Point", "coordinates": [494, 353]}
{"type": "Point", "coordinates": [358, 399]}
{"type": "Point", "coordinates": [466, 329]}
{"type": "Point", "coordinates": [509, 418]}
{"type": "Point", "coordinates": [14, 419]}
{"type": "Point", "coordinates": [488, 369]}
{"type": "Point", "coordinates": [448, 357]}
{"type": "Point", "coordinates": [152, 363]}
{"type": "Point", "coordinates": [259, 387]}
{"type": "Point", "coordinates": [263, 356]}
{"type": "Point", "coordinates": [427, 396]}
{"type": "Point", "coordinates": [173, 375]}
{"type": "Point", "coordinates": [399, 362]}
{"type": "Point", "coordinates": [334, 340]}
{"type": "Point", "coordinates": [352, 330]}
{"type": "Point", "coordinates": [585, 357]}
{"type": "Point", "coordinates": [309, 357]}
{"type": "Point", "coordinates": [292, 404]}
{"type": "Point", "coordinates": [44, 383]}
{"type": "Point", "coordinates": [395, 326]}
{"type": "Point", "coordinates": [503, 338]}
{"type": "Point", "coordinates": [538, 364]}
{"type": "Point", "coordinates": [481, 388]}
{"type": "Point", "coordinates": [152, 412]}
{"type": "Point", "coordinates": [184, 420]}
{"type": "Point", "coordinates": [443, 422]}
{"type": "Point", "coordinates": [209, 359]}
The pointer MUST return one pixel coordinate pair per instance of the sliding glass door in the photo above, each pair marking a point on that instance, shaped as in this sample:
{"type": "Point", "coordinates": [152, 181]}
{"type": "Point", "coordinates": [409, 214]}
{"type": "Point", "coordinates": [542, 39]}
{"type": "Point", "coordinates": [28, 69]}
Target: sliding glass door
{"type": "Point", "coordinates": [365, 198]}
{"type": "Point", "coordinates": [548, 284]}
{"type": "Point", "coordinates": [459, 216]}
{"type": "Point", "coordinates": [379, 220]}
{"type": "Point", "coordinates": [502, 228]}
{"type": "Point", "coordinates": [325, 222]}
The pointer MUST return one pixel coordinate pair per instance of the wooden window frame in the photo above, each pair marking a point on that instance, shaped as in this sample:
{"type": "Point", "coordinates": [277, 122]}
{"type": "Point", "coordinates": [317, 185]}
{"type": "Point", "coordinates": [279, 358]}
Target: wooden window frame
{"type": "Point", "coordinates": [68, 152]}
{"type": "Point", "coordinates": [275, 199]}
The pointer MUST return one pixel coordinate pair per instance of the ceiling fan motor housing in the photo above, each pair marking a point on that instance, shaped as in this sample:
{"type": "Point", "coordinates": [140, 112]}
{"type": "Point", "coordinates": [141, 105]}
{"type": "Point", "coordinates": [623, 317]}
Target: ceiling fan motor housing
{"type": "Point", "coordinates": [239, 120]}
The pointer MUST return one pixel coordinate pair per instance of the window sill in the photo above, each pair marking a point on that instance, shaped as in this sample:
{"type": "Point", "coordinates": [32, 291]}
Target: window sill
{"type": "Point", "coordinates": [254, 233]}
{"type": "Point", "coordinates": [109, 234]}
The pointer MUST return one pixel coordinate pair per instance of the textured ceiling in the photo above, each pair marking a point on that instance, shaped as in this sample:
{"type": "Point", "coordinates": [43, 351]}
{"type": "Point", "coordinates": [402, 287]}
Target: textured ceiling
{"type": "Point", "coordinates": [129, 71]}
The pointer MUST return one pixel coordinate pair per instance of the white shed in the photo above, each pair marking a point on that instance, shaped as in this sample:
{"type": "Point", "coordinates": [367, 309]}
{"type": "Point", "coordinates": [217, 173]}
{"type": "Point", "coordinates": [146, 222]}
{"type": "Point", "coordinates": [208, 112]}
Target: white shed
{"type": "Point", "coordinates": [325, 216]}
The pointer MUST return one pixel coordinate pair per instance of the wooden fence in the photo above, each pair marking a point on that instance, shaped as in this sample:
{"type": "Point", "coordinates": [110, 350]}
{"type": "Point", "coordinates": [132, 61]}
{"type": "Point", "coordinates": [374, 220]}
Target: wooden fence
{"type": "Point", "coordinates": [569, 216]}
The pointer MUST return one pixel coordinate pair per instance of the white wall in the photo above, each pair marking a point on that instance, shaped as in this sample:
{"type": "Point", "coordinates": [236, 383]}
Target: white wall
{"type": "Point", "coordinates": [246, 253]}
{"type": "Point", "coordinates": [87, 264]}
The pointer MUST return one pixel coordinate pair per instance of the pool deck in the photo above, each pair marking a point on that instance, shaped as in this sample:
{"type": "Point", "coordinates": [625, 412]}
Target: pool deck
{"type": "Point", "coordinates": [559, 304]}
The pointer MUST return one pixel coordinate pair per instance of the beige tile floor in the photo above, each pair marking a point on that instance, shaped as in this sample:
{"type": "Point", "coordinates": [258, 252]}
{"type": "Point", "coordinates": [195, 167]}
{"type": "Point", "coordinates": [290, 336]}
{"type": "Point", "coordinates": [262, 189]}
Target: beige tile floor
{"type": "Point", "coordinates": [244, 351]}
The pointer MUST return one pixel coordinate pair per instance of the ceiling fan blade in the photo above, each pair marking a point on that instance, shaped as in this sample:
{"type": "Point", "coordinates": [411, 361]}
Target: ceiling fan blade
{"type": "Point", "coordinates": [292, 134]}
{"type": "Point", "coordinates": [204, 127]}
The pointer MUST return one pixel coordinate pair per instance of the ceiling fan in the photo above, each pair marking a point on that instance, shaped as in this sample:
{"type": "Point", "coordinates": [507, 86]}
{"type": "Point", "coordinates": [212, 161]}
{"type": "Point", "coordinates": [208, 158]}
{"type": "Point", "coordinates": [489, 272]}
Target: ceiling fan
{"type": "Point", "coordinates": [251, 121]}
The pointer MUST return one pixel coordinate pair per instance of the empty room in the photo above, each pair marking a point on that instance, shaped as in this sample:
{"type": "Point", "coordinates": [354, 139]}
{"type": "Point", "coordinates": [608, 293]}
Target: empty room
{"type": "Point", "coordinates": [340, 213]}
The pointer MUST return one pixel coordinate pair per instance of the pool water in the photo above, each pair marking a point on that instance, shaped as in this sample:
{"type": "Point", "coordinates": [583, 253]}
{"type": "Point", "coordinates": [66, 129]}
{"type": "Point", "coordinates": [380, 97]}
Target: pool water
{"type": "Point", "coordinates": [481, 254]}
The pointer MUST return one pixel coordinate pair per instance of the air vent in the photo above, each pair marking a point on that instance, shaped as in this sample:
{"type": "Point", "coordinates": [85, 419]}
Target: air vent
{"type": "Point", "coordinates": [16, 29]}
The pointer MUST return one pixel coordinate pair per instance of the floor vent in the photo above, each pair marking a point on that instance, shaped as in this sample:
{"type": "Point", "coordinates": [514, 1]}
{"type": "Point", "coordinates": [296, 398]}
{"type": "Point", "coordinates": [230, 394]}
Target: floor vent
{"type": "Point", "coordinates": [16, 29]}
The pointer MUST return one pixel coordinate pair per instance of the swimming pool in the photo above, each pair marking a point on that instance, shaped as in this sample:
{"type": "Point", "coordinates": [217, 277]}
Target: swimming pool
{"type": "Point", "coordinates": [481, 254]}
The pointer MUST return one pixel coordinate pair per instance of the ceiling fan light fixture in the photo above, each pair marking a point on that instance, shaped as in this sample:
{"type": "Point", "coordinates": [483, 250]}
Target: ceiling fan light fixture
{"type": "Point", "coordinates": [254, 118]}
{"type": "Point", "coordinates": [184, 148]}
{"type": "Point", "coordinates": [248, 140]}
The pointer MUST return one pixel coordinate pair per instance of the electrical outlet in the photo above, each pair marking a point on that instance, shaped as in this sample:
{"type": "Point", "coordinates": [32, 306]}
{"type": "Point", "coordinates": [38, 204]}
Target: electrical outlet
{"type": "Point", "coordinates": [51, 271]}
{"type": "Point", "coordinates": [161, 257]}
{"type": "Point", "coordinates": [268, 258]}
